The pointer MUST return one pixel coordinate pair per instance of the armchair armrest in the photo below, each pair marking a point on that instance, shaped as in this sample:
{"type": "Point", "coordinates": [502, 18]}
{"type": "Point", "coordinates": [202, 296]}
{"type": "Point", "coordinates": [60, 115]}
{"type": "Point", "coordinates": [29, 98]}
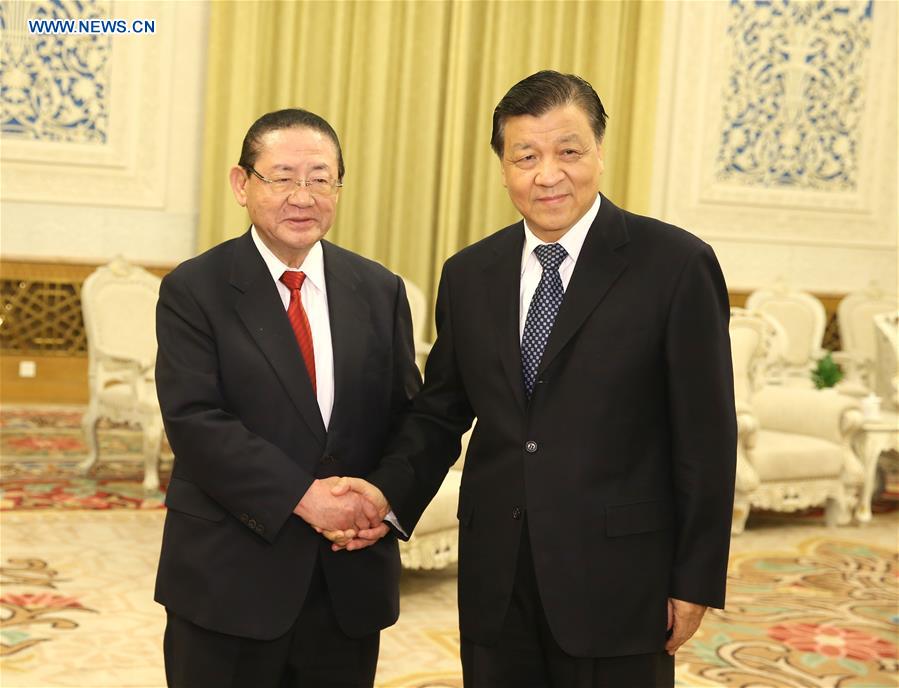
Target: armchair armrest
{"type": "Point", "coordinates": [747, 426]}
{"type": "Point", "coordinates": [856, 372]}
{"type": "Point", "coordinates": [747, 479]}
{"type": "Point", "coordinates": [114, 360]}
{"type": "Point", "coordinates": [816, 413]}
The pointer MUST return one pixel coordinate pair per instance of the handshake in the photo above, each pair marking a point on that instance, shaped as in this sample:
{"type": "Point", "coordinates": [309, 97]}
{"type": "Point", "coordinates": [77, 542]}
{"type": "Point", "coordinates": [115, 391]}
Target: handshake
{"type": "Point", "coordinates": [347, 511]}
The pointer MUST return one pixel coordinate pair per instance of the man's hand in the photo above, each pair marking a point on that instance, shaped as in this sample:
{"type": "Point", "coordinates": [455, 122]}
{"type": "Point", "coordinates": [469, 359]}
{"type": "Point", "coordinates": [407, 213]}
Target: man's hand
{"type": "Point", "coordinates": [683, 620]}
{"type": "Point", "coordinates": [324, 510]}
{"type": "Point", "coordinates": [375, 507]}
{"type": "Point", "coordinates": [377, 502]}
{"type": "Point", "coordinates": [349, 540]}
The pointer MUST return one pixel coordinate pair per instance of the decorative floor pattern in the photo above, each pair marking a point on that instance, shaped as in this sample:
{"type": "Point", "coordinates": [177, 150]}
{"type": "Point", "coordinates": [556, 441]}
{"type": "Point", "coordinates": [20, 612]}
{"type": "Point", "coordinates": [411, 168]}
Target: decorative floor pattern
{"type": "Point", "coordinates": [808, 606]}
{"type": "Point", "coordinates": [112, 484]}
{"type": "Point", "coordinates": [54, 433]}
{"type": "Point", "coordinates": [823, 615]}
{"type": "Point", "coordinates": [76, 596]}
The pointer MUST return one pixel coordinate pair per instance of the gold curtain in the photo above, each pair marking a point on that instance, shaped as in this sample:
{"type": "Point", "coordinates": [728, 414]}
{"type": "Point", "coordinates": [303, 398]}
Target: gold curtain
{"type": "Point", "coordinates": [410, 87]}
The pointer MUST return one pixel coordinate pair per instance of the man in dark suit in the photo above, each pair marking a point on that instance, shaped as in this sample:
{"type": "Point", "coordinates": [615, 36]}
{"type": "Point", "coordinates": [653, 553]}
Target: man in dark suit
{"type": "Point", "coordinates": [592, 346]}
{"type": "Point", "coordinates": [283, 362]}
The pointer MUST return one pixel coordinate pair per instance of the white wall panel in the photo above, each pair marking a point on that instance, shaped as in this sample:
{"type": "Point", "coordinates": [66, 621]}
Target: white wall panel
{"type": "Point", "coordinates": [777, 138]}
{"type": "Point", "coordinates": [126, 182]}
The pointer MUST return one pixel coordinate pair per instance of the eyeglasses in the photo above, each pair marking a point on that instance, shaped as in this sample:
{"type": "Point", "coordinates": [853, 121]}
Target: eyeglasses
{"type": "Point", "coordinates": [317, 186]}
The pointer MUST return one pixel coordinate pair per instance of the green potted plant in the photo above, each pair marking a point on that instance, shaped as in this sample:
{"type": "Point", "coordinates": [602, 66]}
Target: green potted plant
{"type": "Point", "coordinates": [827, 373]}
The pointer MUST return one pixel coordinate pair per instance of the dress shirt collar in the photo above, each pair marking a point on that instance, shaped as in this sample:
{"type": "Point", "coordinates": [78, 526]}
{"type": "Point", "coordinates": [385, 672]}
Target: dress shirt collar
{"type": "Point", "coordinates": [571, 241]}
{"type": "Point", "coordinates": [313, 265]}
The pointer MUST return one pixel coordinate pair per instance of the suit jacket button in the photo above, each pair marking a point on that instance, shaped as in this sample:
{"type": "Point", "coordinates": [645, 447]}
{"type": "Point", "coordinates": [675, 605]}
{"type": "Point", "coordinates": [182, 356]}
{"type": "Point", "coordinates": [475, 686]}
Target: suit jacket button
{"type": "Point", "coordinates": [252, 523]}
{"type": "Point", "coordinates": [244, 518]}
{"type": "Point", "coordinates": [516, 513]}
{"type": "Point", "coordinates": [260, 529]}
{"type": "Point", "coordinates": [328, 458]}
{"type": "Point", "coordinates": [530, 447]}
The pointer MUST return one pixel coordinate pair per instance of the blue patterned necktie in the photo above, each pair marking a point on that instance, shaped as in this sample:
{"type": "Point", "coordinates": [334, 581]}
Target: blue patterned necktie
{"type": "Point", "coordinates": [542, 312]}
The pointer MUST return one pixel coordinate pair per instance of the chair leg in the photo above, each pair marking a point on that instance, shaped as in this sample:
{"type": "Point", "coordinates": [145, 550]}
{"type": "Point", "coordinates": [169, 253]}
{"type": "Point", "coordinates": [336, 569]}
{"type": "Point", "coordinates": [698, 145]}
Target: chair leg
{"type": "Point", "coordinates": [740, 514]}
{"type": "Point", "coordinates": [837, 512]}
{"type": "Point", "coordinates": [152, 445]}
{"type": "Point", "coordinates": [89, 428]}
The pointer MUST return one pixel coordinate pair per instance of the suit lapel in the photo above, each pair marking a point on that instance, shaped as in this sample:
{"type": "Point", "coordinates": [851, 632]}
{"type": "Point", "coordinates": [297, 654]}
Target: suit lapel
{"type": "Point", "coordinates": [597, 268]}
{"type": "Point", "coordinates": [262, 312]}
{"type": "Point", "coordinates": [503, 279]}
{"type": "Point", "coordinates": [350, 315]}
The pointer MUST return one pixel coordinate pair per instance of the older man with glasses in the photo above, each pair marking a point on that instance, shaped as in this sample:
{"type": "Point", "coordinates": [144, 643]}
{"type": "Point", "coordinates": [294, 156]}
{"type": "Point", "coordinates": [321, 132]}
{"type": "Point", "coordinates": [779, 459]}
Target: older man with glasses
{"type": "Point", "coordinates": [283, 361]}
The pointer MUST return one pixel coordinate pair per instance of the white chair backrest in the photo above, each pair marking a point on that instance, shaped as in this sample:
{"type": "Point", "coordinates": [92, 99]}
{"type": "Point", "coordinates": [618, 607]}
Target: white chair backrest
{"type": "Point", "coordinates": [119, 308]}
{"type": "Point", "coordinates": [800, 314]}
{"type": "Point", "coordinates": [755, 341]}
{"type": "Point", "coordinates": [855, 315]}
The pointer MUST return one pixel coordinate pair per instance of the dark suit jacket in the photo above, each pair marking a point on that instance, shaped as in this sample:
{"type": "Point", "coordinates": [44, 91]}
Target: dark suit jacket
{"type": "Point", "coordinates": [248, 439]}
{"type": "Point", "coordinates": [622, 461]}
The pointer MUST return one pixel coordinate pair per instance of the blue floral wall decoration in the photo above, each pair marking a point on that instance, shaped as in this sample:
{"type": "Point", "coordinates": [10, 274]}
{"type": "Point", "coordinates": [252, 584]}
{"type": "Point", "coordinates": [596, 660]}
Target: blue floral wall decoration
{"type": "Point", "coordinates": [53, 87]}
{"type": "Point", "coordinates": [793, 96]}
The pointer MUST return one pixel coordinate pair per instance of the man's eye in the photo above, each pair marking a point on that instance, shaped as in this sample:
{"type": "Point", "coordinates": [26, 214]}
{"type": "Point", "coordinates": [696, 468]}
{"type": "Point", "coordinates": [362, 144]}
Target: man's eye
{"type": "Point", "coordinates": [320, 182]}
{"type": "Point", "coordinates": [571, 154]}
{"type": "Point", "coordinates": [526, 161]}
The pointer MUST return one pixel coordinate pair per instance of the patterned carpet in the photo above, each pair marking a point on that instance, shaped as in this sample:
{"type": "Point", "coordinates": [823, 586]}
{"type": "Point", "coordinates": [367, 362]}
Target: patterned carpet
{"type": "Point", "coordinates": [808, 606]}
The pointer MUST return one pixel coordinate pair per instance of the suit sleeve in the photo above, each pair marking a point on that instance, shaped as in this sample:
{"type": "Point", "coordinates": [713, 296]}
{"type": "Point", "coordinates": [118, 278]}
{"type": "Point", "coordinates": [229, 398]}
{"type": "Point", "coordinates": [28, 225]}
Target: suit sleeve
{"type": "Point", "coordinates": [394, 476]}
{"type": "Point", "coordinates": [428, 440]}
{"type": "Point", "coordinates": [245, 474]}
{"type": "Point", "coordinates": [703, 426]}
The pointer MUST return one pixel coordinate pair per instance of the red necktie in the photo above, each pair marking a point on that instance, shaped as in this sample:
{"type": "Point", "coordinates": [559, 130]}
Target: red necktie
{"type": "Point", "coordinates": [298, 320]}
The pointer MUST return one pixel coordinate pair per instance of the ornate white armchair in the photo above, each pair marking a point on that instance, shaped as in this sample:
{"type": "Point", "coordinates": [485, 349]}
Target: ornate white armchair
{"type": "Point", "coordinates": [419, 307]}
{"type": "Point", "coordinates": [794, 444]}
{"type": "Point", "coordinates": [886, 362]}
{"type": "Point", "coordinates": [752, 337]}
{"type": "Point", "coordinates": [803, 319]}
{"type": "Point", "coordinates": [855, 316]}
{"type": "Point", "coordinates": [119, 308]}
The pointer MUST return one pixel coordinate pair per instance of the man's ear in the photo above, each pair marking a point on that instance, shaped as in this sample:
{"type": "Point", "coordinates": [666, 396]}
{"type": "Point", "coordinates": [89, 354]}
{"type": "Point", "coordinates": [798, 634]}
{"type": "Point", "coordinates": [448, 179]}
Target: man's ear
{"type": "Point", "coordinates": [502, 169]}
{"type": "Point", "coordinates": [239, 179]}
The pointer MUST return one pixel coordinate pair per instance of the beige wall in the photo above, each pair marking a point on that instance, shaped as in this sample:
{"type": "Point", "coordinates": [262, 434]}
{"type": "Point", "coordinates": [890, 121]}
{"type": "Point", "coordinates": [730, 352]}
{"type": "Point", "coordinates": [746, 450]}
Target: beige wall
{"type": "Point", "coordinates": [826, 235]}
{"type": "Point", "coordinates": [137, 193]}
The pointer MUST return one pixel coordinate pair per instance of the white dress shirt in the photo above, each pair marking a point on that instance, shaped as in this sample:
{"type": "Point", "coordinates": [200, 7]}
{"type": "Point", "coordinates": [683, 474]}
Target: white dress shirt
{"type": "Point", "coordinates": [532, 271]}
{"type": "Point", "coordinates": [314, 295]}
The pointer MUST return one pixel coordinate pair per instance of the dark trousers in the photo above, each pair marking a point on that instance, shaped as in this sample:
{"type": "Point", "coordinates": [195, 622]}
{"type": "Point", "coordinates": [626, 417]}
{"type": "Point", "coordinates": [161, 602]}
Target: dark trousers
{"type": "Point", "coordinates": [527, 655]}
{"type": "Point", "coordinates": [314, 653]}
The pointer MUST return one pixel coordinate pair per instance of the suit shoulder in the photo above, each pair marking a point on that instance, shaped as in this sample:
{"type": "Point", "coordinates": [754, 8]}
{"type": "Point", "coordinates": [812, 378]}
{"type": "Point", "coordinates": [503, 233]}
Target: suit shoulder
{"type": "Point", "coordinates": [369, 271]}
{"type": "Point", "coordinates": [497, 242]}
{"type": "Point", "coordinates": [662, 236]}
{"type": "Point", "coordinates": [212, 261]}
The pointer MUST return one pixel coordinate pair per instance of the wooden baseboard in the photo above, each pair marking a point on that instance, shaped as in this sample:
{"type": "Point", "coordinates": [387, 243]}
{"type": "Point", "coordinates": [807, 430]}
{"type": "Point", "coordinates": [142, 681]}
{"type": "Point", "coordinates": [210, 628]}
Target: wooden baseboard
{"type": "Point", "coordinates": [59, 380]}
{"type": "Point", "coordinates": [32, 290]}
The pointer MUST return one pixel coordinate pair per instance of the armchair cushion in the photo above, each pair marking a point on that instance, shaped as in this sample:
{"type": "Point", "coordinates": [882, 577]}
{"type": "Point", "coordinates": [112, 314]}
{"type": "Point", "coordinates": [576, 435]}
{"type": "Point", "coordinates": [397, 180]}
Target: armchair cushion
{"type": "Point", "coordinates": [824, 414]}
{"type": "Point", "coordinates": [786, 456]}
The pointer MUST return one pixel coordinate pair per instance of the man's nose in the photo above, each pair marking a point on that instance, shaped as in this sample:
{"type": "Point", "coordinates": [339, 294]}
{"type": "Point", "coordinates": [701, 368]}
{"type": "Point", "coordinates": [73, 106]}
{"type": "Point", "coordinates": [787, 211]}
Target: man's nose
{"type": "Point", "coordinates": [549, 173]}
{"type": "Point", "coordinates": [301, 196]}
